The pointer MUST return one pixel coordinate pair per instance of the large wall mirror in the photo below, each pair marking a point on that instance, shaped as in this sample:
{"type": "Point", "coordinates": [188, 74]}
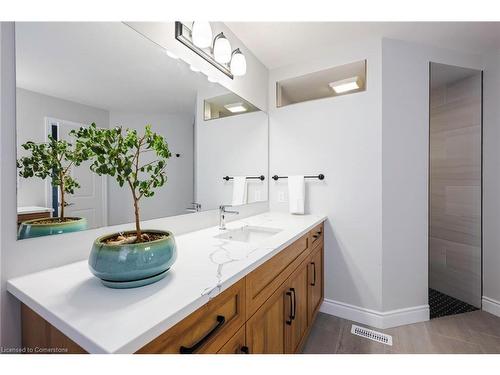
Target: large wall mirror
{"type": "Point", "coordinates": [71, 75]}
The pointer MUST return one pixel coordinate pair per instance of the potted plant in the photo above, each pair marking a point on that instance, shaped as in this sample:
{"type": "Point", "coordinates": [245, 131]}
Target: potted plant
{"type": "Point", "coordinates": [141, 256]}
{"type": "Point", "coordinates": [55, 159]}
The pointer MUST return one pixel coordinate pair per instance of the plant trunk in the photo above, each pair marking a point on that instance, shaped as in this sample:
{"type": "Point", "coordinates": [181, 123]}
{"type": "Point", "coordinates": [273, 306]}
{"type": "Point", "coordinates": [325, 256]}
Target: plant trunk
{"type": "Point", "coordinates": [63, 203]}
{"type": "Point", "coordinates": [138, 232]}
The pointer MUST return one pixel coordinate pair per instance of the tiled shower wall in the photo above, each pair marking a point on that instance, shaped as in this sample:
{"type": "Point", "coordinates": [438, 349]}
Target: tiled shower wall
{"type": "Point", "coordinates": [455, 189]}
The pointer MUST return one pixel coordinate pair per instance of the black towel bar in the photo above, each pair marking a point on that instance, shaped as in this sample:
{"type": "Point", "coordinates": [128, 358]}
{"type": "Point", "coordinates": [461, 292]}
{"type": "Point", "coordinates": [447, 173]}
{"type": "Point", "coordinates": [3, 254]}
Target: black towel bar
{"type": "Point", "coordinates": [261, 177]}
{"type": "Point", "coordinates": [319, 177]}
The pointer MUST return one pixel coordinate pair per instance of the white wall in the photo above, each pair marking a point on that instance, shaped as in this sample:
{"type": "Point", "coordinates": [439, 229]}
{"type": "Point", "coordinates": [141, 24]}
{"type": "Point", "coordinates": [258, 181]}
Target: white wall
{"type": "Point", "coordinates": [341, 138]}
{"type": "Point", "coordinates": [491, 183]}
{"type": "Point", "coordinates": [9, 317]}
{"type": "Point", "coordinates": [230, 146]}
{"type": "Point", "coordinates": [252, 86]}
{"type": "Point", "coordinates": [405, 143]}
{"type": "Point", "coordinates": [178, 192]}
{"type": "Point", "coordinates": [32, 109]}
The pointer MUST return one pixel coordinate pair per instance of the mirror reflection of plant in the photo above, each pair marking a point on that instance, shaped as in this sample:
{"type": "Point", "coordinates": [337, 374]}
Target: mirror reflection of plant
{"type": "Point", "coordinates": [117, 153]}
{"type": "Point", "coordinates": [55, 159]}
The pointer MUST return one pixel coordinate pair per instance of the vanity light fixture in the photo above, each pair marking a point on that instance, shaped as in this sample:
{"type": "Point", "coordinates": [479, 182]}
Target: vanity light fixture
{"type": "Point", "coordinates": [236, 107]}
{"type": "Point", "coordinates": [222, 49]}
{"type": "Point", "coordinates": [238, 63]}
{"type": "Point", "coordinates": [202, 34]}
{"type": "Point", "coordinates": [345, 85]}
{"type": "Point", "coordinates": [218, 52]}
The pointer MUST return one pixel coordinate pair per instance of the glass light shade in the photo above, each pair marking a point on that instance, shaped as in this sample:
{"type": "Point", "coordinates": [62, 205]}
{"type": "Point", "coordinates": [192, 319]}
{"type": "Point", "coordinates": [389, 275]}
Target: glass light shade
{"type": "Point", "coordinates": [238, 63]}
{"type": "Point", "coordinates": [222, 49]}
{"type": "Point", "coordinates": [202, 34]}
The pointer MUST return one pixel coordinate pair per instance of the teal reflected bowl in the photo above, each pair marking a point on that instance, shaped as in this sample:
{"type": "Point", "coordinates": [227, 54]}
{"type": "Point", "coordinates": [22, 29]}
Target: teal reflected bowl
{"type": "Point", "coordinates": [130, 265]}
{"type": "Point", "coordinates": [30, 228]}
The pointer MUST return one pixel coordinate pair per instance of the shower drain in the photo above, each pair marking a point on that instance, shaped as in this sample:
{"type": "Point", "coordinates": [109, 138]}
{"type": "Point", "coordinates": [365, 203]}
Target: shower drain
{"type": "Point", "coordinates": [371, 334]}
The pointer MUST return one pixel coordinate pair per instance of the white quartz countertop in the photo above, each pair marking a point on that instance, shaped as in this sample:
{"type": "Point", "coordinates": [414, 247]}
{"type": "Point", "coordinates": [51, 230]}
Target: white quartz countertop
{"type": "Point", "coordinates": [104, 320]}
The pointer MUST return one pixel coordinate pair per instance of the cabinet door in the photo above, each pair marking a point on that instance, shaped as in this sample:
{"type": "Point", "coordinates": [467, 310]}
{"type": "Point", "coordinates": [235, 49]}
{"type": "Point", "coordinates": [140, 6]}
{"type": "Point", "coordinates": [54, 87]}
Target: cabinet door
{"type": "Point", "coordinates": [265, 329]}
{"type": "Point", "coordinates": [297, 289]}
{"type": "Point", "coordinates": [236, 344]}
{"type": "Point", "coordinates": [315, 283]}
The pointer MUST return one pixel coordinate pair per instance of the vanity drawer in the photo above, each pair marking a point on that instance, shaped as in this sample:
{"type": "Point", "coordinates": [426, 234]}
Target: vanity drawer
{"type": "Point", "coordinates": [236, 344]}
{"type": "Point", "coordinates": [316, 236]}
{"type": "Point", "coordinates": [207, 329]}
{"type": "Point", "coordinates": [263, 282]}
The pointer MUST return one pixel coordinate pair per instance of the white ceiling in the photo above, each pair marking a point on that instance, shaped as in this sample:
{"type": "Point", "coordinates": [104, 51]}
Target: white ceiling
{"type": "Point", "coordinates": [278, 44]}
{"type": "Point", "coordinates": [105, 65]}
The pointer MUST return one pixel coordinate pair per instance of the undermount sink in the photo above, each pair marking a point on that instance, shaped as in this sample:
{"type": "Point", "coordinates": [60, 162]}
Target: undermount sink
{"type": "Point", "coordinates": [248, 233]}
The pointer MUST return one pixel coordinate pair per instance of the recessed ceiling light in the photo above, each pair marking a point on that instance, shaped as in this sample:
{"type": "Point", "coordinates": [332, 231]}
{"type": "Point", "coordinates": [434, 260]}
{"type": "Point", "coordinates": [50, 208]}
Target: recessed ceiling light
{"type": "Point", "coordinates": [212, 79]}
{"type": "Point", "coordinates": [194, 69]}
{"type": "Point", "coordinates": [172, 55]}
{"type": "Point", "coordinates": [235, 107]}
{"type": "Point", "coordinates": [345, 85]}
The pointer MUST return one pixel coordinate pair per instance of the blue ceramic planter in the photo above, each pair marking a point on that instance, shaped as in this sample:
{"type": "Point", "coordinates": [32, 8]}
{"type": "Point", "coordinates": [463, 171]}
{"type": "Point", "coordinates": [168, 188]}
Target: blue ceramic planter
{"type": "Point", "coordinates": [132, 265]}
{"type": "Point", "coordinates": [31, 228]}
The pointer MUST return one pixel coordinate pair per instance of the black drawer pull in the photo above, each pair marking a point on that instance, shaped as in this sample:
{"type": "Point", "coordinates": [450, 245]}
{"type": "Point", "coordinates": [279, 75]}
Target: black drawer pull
{"type": "Point", "coordinates": [316, 236]}
{"type": "Point", "coordinates": [290, 317]}
{"type": "Point", "coordinates": [185, 350]}
{"type": "Point", "coordinates": [314, 274]}
{"type": "Point", "coordinates": [245, 350]}
{"type": "Point", "coordinates": [294, 302]}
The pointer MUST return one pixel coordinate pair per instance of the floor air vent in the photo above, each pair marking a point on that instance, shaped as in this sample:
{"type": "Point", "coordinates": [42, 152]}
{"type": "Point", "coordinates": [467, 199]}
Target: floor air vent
{"type": "Point", "coordinates": [371, 334]}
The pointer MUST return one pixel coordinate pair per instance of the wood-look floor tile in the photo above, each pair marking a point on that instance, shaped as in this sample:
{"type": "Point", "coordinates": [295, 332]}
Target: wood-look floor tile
{"type": "Point", "coordinates": [410, 339]}
{"type": "Point", "coordinates": [474, 332]}
{"type": "Point", "coordinates": [481, 321]}
{"type": "Point", "coordinates": [321, 341]}
{"type": "Point", "coordinates": [488, 344]}
{"type": "Point", "coordinates": [446, 345]}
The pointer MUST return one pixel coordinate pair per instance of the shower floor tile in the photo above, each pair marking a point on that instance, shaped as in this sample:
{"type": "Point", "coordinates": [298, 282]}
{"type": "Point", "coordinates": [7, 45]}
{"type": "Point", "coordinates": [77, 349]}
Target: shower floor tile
{"type": "Point", "coordinates": [444, 305]}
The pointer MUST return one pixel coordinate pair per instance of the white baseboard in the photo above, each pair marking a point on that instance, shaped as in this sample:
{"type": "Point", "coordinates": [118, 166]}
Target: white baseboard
{"type": "Point", "coordinates": [491, 305]}
{"type": "Point", "coordinates": [373, 318]}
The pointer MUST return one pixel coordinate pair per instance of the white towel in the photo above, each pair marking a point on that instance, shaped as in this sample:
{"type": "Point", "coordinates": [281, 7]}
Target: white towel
{"type": "Point", "coordinates": [239, 190]}
{"type": "Point", "coordinates": [296, 194]}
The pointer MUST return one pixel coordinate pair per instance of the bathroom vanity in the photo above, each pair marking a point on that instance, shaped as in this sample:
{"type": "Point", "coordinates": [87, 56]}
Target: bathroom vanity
{"type": "Point", "coordinates": [221, 296]}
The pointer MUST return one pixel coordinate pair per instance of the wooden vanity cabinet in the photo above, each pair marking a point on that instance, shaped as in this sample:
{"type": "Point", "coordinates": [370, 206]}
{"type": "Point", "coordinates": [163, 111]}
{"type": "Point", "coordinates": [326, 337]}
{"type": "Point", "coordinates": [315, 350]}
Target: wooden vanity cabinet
{"type": "Point", "coordinates": [207, 329]}
{"type": "Point", "coordinates": [265, 330]}
{"type": "Point", "coordinates": [315, 282]}
{"type": "Point", "coordinates": [271, 310]}
{"type": "Point", "coordinates": [297, 318]}
{"type": "Point", "coordinates": [236, 344]}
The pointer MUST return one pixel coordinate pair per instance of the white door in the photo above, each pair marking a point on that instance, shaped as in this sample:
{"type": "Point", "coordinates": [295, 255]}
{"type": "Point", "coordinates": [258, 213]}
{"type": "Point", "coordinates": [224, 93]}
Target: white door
{"type": "Point", "coordinates": [89, 201]}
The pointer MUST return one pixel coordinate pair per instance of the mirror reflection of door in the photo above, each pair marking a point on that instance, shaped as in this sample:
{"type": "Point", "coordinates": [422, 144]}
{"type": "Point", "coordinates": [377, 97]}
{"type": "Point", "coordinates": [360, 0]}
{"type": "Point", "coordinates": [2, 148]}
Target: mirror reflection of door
{"type": "Point", "coordinates": [88, 201]}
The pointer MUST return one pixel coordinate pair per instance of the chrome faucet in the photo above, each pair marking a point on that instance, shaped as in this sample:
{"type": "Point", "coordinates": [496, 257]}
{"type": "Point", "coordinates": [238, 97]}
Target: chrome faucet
{"type": "Point", "coordinates": [195, 207]}
{"type": "Point", "coordinates": [222, 215]}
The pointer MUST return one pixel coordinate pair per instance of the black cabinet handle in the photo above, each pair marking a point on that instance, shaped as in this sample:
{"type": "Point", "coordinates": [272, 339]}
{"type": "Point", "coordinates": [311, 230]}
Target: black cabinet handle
{"type": "Point", "coordinates": [316, 236]}
{"type": "Point", "coordinates": [244, 349]}
{"type": "Point", "coordinates": [314, 274]}
{"type": "Point", "coordinates": [294, 302]}
{"type": "Point", "coordinates": [290, 317]}
{"type": "Point", "coordinates": [185, 350]}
